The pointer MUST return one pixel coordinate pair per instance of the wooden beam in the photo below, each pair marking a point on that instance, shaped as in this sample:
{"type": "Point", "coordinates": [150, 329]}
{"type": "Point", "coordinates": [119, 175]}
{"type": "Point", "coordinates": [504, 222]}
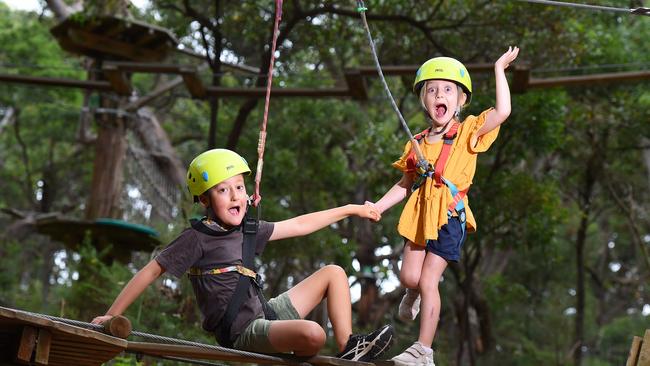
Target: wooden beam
{"type": "Point", "coordinates": [43, 347]}
{"type": "Point", "coordinates": [279, 92]}
{"type": "Point", "coordinates": [26, 345]}
{"type": "Point", "coordinates": [151, 67]}
{"type": "Point", "coordinates": [589, 79]}
{"type": "Point", "coordinates": [47, 81]}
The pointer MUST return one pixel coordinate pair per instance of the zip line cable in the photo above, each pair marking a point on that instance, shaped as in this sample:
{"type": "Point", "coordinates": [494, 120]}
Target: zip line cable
{"type": "Point", "coordinates": [269, 82]}
{"type": "Point", "coordinates": [635, 11]}
{"type": "Point", "coordinates": [423, 163]}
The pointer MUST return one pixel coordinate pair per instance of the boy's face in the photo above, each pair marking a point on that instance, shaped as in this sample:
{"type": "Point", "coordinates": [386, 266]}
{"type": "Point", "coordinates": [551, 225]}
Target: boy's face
{"type": "Point", "coordinates": [228, 201]}
{"type": "Point", "coordinates": [442, 98]}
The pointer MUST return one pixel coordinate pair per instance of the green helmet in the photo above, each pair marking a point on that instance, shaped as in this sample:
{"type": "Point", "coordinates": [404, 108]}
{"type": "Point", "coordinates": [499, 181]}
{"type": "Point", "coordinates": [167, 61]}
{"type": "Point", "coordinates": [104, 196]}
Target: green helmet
{"type": "Point", "coordinates": [213, 167]}
{"type": "Point", "coordinates": [445, 68]}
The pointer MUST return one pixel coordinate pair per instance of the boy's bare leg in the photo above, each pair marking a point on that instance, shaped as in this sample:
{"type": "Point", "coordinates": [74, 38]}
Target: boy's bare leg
{"type": "Point", "coordinates": [432, 270]}
{"type": "Point", "coordinates": [412, 262]}
{"type": "Point", "coordinates": [303, 337]}
{"type": "Point", "coordinates": [330, 281]}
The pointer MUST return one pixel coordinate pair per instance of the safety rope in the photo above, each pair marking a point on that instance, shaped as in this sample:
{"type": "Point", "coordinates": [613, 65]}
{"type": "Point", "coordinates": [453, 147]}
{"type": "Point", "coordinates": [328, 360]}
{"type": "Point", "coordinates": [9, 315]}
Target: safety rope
{"type": "Point", "coordinates": [161, 339]}
{"type": "Point", "coordinates": [423, 163]}
{"type": "Point", "coordinates": [269, 81]}
{"type": "Point", "coordinates": [636, 11]}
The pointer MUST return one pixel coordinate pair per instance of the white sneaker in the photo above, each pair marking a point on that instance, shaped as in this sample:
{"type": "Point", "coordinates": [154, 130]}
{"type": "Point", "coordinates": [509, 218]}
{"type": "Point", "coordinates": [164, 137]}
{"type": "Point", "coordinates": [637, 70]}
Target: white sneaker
{"type": "Point", "coordinates": [409, 307]}
{"type": "Point", "coordinates": [415, 355]}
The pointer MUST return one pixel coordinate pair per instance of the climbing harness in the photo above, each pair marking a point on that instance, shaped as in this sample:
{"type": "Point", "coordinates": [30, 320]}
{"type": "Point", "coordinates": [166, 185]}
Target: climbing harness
{"type": "Point", "coordinates": [269, 82]}
{"type": "Point", "coordinates": [422, 164]}
{"type": "Point", "coordinates": [457, 206]}
{"type": "Point", "coordinates": [635, 11]}
{"type": "Point", "coordinates": [247, 277]}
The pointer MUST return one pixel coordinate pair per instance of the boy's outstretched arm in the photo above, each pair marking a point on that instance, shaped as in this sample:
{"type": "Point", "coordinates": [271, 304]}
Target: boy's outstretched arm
{"type": "Point", "coordinates": [132, 290]}
{"type": "Point", "coordinates": [308, 223]}
{"type": "Point", "coordinates": [502, 107]}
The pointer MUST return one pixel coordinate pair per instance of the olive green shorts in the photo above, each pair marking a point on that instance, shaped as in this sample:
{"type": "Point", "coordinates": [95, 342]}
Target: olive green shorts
{"type": "Point", "coordinates": [255, 337]}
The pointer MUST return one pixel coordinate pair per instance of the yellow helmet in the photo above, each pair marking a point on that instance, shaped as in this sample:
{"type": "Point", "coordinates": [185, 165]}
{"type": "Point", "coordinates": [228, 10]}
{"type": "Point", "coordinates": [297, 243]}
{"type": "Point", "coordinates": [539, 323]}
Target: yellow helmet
{"type": "Point", "coordinates": [445, 68]}
{"type": "Point", "coordinates": [213, 167]}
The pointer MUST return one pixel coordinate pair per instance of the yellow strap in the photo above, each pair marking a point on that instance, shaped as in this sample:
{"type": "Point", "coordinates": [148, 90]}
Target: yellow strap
{"type": "Point", "coordinates": [215, 271]}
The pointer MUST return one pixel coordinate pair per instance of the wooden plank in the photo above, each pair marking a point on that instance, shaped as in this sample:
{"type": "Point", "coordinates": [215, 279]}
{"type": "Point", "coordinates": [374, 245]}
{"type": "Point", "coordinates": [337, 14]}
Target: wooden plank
{"type": "Point", "coordinates": [168, 350]}
{"type": "Point", "coordinates": [520, 79]}
{"type": "Point", "coordinates": [193, 82]}
{"type": "Point", "coordinates": [633, 356]}
{"type": "Point", "coordinates": [26, 345]}
{"type": "Point", "coordinates": [644, 352]}
{"type": "Point", "coordinates": [43, 346]}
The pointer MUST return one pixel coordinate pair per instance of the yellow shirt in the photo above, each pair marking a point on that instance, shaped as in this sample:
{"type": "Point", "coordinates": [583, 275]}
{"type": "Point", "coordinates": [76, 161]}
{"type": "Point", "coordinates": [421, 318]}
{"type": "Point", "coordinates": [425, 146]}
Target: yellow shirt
{"type": "Point", "coordinates": [425, 211]}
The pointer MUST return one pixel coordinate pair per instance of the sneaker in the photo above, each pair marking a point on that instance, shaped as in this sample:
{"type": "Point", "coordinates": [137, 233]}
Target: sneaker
{"type": "Point", "coordinates": [409, 307]}
{"type": "Point", "coordinates": [415, 355]}
{"type": "Point", "coordinates": [368, 347]}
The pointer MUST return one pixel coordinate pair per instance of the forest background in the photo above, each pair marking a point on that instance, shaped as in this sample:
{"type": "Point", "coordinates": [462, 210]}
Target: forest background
{"type": "Point", "coordinates": [557, 273]}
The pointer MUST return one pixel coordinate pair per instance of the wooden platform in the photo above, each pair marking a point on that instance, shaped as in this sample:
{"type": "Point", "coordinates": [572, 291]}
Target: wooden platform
{"type": "Point", "coordinates": [27, 339]}
{"type": "Point", "coordinates": [30, 340]}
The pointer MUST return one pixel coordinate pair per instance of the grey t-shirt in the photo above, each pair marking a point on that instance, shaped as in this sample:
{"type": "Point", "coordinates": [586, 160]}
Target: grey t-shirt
{"type": "Point", "coordinates": [210, 249]}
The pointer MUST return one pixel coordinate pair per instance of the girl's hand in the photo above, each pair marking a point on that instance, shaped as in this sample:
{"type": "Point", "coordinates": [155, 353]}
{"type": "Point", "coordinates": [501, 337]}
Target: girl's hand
{"type": "Point", "coordinates": [102, 319]}
{"type": "Point", "coordinates": [369, 211]}
{"type": "Point", "coordinates": [504, 61]}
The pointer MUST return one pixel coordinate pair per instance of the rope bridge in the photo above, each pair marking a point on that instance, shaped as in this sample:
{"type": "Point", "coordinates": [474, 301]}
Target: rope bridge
{"type": "Point", "coordinates": [32, 338]}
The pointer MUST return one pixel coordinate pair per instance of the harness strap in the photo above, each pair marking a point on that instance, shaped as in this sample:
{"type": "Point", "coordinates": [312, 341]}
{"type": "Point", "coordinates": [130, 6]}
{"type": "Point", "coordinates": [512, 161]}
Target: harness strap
{"type": "Point", "coordinates": [448, 141]}
{"type": "Point", "coordinates": [249, 228]}
{"type": "Point", "coordinates": [194, 271]}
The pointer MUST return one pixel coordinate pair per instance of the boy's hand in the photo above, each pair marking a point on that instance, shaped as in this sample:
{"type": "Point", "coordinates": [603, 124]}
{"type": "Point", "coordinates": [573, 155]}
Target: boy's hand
{"type": "Point", "coordinates": [101, 319]}
{"type": "Point", "coordinates": [504, 61]}
{"type": "Point", "coordinates": [370, 211]}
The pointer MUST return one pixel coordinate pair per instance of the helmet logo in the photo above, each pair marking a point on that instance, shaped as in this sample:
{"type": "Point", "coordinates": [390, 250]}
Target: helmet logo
{"type": "Point", "coordinates": [230, 167]}
{"type": "Point", "coordinates": [205, 176]}
{"type": "Point", "coordinates": [462, 73]}
{"type": "Point", "coordinates": [438, 70]}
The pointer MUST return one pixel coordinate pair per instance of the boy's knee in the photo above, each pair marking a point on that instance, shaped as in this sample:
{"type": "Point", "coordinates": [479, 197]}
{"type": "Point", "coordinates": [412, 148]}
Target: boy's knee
{"type": "Point", "coordinates": [335, 271]}
{"type": "Point", "coordinates": [313, 337]}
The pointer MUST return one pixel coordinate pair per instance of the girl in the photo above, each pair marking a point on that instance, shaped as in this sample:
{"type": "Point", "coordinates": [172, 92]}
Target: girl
{"type": "Point", "coordinates": [437, 216]}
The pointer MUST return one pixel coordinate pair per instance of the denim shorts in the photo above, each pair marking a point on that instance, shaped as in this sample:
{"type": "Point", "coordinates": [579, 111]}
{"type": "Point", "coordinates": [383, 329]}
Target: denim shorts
{"type": "Point", "coordinates": [450, 241]}
{"type": "Point", "coordinates": [255, 337]}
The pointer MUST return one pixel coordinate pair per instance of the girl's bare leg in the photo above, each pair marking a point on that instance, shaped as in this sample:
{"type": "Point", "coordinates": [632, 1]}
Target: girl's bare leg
{"type": "Point", "coordinates": [303, 337]}
{"type": "Point", "coordinates": [432, 270]}
{"type": "Point", "coordinates": [412, 262]}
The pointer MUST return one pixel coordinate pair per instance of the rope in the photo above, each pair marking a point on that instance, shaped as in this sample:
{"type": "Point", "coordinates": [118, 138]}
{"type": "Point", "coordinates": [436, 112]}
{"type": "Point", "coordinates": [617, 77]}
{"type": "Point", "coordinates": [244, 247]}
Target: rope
{"type": "Point", "coordinates": [423, 163]}
{"type": "Point", "coordinates": [161, 339]}
{"type": "Point", "coordinates": [269, 82]}
{"type": "Point", "coordinates": [637, 11]}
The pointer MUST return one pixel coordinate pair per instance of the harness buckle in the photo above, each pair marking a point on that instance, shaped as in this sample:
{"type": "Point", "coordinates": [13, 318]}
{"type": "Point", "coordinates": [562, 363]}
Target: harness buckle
{"type": "Point", "coordinates": [250, 225]}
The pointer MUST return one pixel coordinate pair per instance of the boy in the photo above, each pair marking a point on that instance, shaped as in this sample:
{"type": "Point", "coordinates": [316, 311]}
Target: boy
{"type": "Point", "coordinates": [213, 253]}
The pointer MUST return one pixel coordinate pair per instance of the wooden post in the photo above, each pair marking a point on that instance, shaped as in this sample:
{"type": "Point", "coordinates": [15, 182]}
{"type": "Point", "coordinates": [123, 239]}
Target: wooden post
{"type": "Point", "coordinates": [43, 347]}
{"type": "Point", "coordinates": [26, 345]}
{"type": "Point", "coordinates": [118, 326]}
{"type": "Point", "coordinates": [633, 356]}
{"type": "Point", "coordinates": [644, 352]}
